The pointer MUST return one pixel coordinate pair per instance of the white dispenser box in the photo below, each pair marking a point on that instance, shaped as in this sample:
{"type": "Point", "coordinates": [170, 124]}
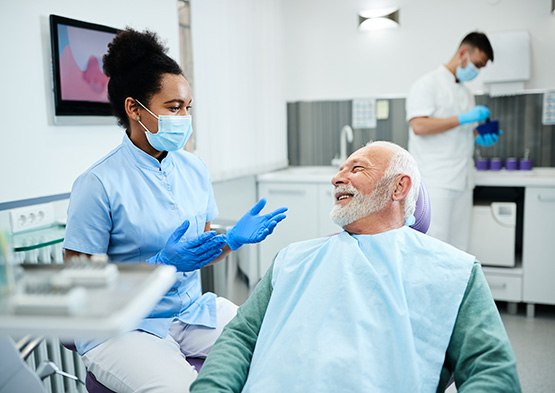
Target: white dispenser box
{"type": "Point", "coordinates": [493, 235]}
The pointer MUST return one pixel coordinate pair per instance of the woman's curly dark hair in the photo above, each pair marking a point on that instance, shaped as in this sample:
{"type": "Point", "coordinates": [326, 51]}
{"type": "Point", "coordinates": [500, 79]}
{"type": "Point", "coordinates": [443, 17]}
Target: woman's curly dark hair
{"type": "Point", "coordinates": [135, 63]}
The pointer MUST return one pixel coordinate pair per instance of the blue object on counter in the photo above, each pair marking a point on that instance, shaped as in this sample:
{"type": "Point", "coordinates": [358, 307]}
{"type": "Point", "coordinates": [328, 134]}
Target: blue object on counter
{"type": "Point", "coordinates": [489, 127]}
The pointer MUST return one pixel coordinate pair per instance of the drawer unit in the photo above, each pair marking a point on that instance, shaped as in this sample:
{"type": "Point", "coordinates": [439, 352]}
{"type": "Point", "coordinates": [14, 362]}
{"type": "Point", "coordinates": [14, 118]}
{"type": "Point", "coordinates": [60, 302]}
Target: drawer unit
{"type": "Point", "coordinates": [505, 287]}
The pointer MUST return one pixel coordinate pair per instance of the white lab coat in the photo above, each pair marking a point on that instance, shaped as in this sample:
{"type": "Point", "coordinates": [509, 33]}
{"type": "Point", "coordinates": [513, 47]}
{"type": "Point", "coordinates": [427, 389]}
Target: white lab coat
{"type": "Point", "coordinates": [445, 159]}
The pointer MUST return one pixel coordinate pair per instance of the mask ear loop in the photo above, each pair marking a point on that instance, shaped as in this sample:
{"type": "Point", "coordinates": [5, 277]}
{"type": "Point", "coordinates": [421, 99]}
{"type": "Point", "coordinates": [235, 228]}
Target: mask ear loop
{"type": "Point", "coordinates": [149, 111]}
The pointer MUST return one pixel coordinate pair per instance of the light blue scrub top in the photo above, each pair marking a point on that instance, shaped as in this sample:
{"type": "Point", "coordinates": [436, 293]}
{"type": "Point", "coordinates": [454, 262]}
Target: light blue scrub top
{"type": "Point", "coordinates": [127, 205]}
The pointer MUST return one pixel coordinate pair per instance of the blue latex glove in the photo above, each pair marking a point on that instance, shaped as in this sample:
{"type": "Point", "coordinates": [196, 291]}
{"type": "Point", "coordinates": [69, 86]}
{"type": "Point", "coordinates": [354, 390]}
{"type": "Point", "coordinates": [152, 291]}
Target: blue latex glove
{"type": "Point", "coordinates": [253, 228]}
{"type": "Point", "coordinates": [476, 114]}
{"type": "Point", "coordinates": [488, 140]}
{"type": "Point", "coordinates": [189, 255]}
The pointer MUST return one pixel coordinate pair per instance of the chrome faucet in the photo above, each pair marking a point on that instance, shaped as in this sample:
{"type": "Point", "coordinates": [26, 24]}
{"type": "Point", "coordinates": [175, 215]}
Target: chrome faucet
{"type": "Point", "coordinates": [346, 135]}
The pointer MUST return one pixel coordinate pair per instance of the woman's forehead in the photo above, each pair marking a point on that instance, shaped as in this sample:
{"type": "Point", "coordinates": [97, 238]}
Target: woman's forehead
{"type": "Point", "coordinates": [174, 86]}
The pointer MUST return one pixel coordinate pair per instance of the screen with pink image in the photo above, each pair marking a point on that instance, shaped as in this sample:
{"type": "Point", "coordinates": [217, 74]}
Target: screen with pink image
{"type": "Point", "coordinates": [80, 85]}
{"type": "Point", "coordinates": [81, 52]}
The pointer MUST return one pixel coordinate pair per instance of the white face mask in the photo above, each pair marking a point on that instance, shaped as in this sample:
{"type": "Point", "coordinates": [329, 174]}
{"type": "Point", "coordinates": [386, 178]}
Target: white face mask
{"type": "Point", "coordinates": [173, 131]}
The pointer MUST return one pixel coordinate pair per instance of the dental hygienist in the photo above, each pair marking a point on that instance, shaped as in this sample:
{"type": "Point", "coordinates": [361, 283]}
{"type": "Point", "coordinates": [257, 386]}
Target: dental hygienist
{"type": "Point", "coordinates": [149, 200]}
{"type": "Point", "coordinates": [442, 117]}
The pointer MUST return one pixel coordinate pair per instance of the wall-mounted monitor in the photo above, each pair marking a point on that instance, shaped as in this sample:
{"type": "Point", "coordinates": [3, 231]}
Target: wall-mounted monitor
{"type": "Point", "coordinates": [80, 85]}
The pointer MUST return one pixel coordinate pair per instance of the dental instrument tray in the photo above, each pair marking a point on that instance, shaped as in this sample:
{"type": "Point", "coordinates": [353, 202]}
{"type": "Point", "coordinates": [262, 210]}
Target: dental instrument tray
{"type": "Point", "coordinates": [87, 273]}
{"type": "Point", "coordinates": [64, 293]}
{"type": "Point", "coordinates": [43, 298]}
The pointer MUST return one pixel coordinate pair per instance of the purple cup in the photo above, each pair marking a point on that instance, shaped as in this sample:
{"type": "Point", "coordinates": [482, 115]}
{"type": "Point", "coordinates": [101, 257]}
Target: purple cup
{"type": "Point", "coordinates": [482, 164]}
{"type": "Point", "coordinates": [525, 165]}
{"type": "Point", "coordinates": [495, 164]}
{"type": "Point", "coordinates": [511, 164]}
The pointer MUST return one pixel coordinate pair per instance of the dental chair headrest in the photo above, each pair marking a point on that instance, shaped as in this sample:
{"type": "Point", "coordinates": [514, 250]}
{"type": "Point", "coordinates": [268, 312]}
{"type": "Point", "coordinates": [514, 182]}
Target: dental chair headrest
{"type": "Point", "coordinates": [422, 212]}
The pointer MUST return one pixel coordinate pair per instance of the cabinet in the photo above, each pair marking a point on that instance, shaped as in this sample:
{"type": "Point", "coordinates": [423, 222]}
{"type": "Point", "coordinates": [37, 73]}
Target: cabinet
{"type": "Point", "coordinates": [538, 246]}
{"type": "Point", "coordinates": [308, 196]}
{"type": "Point", "coordinates": [530, 281]}
{"type": "Point", "coordinates": [307, 218]}
{"type": "Point", "coordinates": [505, 284]}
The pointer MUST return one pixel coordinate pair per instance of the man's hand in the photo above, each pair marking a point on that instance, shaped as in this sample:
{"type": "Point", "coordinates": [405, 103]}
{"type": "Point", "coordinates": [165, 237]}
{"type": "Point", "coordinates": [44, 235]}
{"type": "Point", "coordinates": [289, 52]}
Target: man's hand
{"type": "Point", "coordinates": [487, 140]}
{"type": "Point", "coordinates": [476, 114]}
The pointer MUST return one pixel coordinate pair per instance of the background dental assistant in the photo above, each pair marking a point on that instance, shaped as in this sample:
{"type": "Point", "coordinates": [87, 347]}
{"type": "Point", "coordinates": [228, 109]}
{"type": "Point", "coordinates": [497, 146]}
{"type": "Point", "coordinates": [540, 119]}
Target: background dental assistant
{"type": "Point", "coordinates": [442, 116]}
{"type": "Point", "coordinates": [149, 200]}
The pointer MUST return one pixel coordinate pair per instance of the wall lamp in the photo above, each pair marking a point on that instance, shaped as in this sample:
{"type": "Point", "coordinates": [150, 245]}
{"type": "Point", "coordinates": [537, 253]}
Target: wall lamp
{"type": "Point", "coordinates": [379, 19]}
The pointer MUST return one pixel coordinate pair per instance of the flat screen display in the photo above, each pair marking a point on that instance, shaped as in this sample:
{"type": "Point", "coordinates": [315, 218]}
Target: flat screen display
{"type": "Point", "coordinates": [80, 86]}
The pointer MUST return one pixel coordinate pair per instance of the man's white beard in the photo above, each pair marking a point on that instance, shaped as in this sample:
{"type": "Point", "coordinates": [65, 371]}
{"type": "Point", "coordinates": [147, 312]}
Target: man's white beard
{"type": "Point", "coordinates": [360, 205]}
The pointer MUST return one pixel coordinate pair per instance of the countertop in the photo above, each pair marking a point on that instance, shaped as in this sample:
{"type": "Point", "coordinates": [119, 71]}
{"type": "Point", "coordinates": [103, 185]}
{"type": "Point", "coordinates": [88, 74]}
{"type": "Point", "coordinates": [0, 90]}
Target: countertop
{"type": "Point", "coordinates": [300, 174]}
{"type": "Point", "coordinates": [538, 177]}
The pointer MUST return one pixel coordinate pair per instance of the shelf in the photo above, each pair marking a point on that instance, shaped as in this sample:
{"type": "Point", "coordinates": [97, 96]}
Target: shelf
{"type": "Point", "coordinates": [38, 238]}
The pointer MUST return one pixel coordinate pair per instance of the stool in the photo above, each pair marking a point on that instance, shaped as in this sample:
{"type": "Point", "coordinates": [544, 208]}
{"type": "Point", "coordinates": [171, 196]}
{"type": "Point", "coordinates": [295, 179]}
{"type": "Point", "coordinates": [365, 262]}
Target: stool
{"type": "Point", "coordinates": [93, 386]}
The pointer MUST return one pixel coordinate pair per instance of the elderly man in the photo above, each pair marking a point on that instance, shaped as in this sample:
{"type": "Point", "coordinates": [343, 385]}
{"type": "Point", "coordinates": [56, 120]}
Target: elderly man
{"type": "Point", "coordinates": [378, 307]}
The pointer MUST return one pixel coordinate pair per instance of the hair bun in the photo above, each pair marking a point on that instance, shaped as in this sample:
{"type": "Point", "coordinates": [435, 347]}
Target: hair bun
{"type": "Point", "coordinates": [130, 48]}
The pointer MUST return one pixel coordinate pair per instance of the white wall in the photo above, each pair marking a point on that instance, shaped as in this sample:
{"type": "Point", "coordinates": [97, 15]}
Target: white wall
{"type": "Point", "coordinates": [239, 106]}
{"type": "Point", "coordinates": [250, 57]}
{"type": "Point", "coordinates": [328, 58]}
{"type": "Point", "coordinates": [39, 158]}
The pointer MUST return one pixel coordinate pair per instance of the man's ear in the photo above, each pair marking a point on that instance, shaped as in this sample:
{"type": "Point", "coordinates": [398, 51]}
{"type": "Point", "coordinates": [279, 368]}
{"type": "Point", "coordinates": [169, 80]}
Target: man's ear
{"type": "Point", "coordinates": [401, 188]}
{"type": "Point", "coordinates": [462, 53]}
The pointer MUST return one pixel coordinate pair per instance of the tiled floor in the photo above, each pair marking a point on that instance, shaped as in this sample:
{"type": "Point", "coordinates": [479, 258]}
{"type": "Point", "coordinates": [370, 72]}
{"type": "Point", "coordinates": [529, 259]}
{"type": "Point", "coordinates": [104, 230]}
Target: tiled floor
{"type": "Point", "coordinates": [533, 341]}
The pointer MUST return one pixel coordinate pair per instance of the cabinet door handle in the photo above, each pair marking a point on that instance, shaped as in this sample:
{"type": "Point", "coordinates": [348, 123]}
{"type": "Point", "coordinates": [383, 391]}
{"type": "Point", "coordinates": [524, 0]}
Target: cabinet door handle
{"type": "Point", "coordinates": [546, 198]}
{"type": "Point", "coordinates": [286, 192]}
{"type": "Point", "coordinates": [498, 286]}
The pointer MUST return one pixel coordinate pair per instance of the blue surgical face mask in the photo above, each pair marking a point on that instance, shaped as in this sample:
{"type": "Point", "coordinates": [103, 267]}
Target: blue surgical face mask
{"type": "Point", "coordinates": [465, 74]}
{"type": "Point", "coordinates": [173, 131]}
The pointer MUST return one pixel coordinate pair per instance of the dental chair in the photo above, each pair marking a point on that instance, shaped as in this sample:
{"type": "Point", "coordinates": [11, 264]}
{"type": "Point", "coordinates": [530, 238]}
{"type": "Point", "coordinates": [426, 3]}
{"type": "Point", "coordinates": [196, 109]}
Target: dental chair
{"type": "Point", "coordinates": [422, 211]}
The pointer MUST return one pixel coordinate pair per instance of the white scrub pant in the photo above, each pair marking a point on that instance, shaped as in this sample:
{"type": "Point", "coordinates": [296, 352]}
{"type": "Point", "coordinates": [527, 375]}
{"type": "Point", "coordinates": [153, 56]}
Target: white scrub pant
{"type": "Point", "coordinates": [451, 216]}
{"type": "Point", "coordinates": [141, 362]}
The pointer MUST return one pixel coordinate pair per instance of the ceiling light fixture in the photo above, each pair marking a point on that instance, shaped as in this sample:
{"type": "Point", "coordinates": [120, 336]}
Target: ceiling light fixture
{"type": "Point", "coordinates": [379, 19]}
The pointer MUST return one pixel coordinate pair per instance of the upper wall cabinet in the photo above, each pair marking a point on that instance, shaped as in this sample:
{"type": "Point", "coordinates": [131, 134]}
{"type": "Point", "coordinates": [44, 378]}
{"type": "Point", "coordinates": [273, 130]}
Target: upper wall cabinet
{"type": "Point", "coordinates": [511, 66]}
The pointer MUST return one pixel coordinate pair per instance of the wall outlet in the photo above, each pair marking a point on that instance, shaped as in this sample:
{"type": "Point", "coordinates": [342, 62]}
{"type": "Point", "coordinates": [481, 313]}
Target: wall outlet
{"type": "Point", "coordinates": [31, 217]}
